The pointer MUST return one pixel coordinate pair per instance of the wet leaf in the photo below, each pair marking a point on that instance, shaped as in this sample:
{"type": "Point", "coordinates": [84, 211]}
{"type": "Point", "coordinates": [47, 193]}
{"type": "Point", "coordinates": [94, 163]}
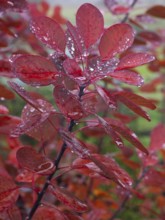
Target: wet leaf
{"type": "Point", "coordinates": [35, 70]}
{"type": "Point", "coordinates": [90, 23]}
{"type": "Point", "coordinates": [137, 99]}
{"type": "Point", "coordinates": [133, 101]}
{"type": "Point", "coordinates": [68, 199]}
{"type": "Point", "coordinates": [128, 76]}
{"type": "Point", "coordinates": [111, 170]}
{"type": "Point", "coordinates": [8, 123]}
{"type": "Point", "coordinates": [134, 59]}
{"type": "Point", "coordinates": [64, 98]}
{"type": "Point", "coordinates": [74, 41]}
{"type": "Point", "coordinates": [8, 192]}
{"type": "Point", "coordinates": [11, 211]}
{"type": "Point", "coordinates": [75, 145]}
{"type": "Point", "coordinates": [29, 159]}
{"type": "Point", "coordinates": [108, 98]}
{"type": "Point", "coordinates": [116, 39]}
{"type": "Point", "coordinates": [109, 130]}
{"type": "Point", "coordinates": [5, 68]}
{"type": "Point", "coordinates": [49, 32]}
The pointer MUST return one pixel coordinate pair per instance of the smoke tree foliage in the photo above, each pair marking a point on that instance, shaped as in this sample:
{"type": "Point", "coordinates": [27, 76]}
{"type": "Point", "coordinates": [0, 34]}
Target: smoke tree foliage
{"type": "Point", "coordinates": [81, 164]}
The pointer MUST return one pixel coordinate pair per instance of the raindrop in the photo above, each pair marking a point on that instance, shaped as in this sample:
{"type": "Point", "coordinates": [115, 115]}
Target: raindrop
{"type": "Point", "coordinates": [2, 98]}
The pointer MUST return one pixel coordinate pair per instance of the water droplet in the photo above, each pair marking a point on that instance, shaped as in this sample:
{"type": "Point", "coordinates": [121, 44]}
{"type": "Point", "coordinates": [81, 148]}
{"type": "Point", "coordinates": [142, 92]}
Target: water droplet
{"type": "Point", "coordinates": [2, 98]}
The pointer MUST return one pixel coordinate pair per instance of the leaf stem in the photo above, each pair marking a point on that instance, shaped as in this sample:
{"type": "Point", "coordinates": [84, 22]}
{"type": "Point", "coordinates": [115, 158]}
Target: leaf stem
{"type": "Point", "coordinates": [127, 15]}
{"type": "Point", "coordinates": [56, 163]}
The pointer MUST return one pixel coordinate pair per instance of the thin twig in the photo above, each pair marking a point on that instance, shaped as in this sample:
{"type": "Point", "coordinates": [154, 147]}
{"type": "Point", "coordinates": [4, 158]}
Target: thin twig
{"type": "Point", "coordinates": [127, 15]}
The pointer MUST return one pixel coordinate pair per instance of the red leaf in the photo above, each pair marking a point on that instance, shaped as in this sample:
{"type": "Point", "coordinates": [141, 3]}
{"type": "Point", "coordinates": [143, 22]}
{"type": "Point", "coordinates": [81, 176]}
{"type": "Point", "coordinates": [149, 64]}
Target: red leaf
{"type": "Point", "coordinates": [35, 70]}
{"type": "Point", "coordinates": [49, 32]}
{"type": "Point", "coordinates": [11, 211]}
{"type": "Point", "coordinates": [150, 37]}
{"type": "Point", "coordinates": [133, 101]}
{"type": "Point", "coordinates": [99, 69]}
{"type": "Point", "coordinates": [74, 144]}
{"type": "Point", "coordinates": [48, 212]}
{"type": "Point", "coordinates": [157, 11]}
{"type": "Point", "coordinates": [8, 123]}
{"type": "Point", "coordinates": [5, 93]}
{"type": "Point", "coordinates": [3, 110]}
{"type": "Point", "coordinates": [109, 130]}
{"type": "Point", "coordinates": [116, 39]}
{"type": "Point", "coordinates": [64, 98]}
{"type": "Point", "coordinates": [74, 41]}
{"type": "Point", "coordinates": [128, 76]}
{"type": "Point", "coordinates": [134, 59]}
{"type": "Point", "coordinates": [111, 170]}
{"type": "Point", "coordinates": [128, 134]}
{"type": "Point", "coordinates": [73, 70]}
{"type": "Point", "coordinates": [137, 99]}
{"type": "Point", "coordinates": [5, 69]}
{"type": "Point", "coordinates": [157, 138]}
{"type": "Point", "coordinates": [8, 193]}
{"type": "Point", "coordinates": [108, 98]}
{"type": "Point", "coordinates": [90, 23]}
{"type": "Point", "coordinates": [68, 199]}
{"type": "Point", "coordinates": [29, 159]}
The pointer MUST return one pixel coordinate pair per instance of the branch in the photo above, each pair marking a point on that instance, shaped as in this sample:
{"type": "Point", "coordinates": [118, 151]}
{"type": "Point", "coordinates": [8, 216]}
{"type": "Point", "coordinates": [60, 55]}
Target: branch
{"type": "Point", "coordinates": [127, 15]}
{"type": "Point", "coordinates": [56, 163]}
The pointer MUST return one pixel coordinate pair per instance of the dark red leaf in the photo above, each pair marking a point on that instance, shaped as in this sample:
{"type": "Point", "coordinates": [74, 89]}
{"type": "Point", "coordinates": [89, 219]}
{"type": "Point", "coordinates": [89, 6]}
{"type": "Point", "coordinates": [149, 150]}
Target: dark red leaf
{"type": "Point", "coordinates": [29, 159]}
{"type": "Point", "coordinates": [8, 193]}
{"type": "Point", "coordinates": [27, 176]}
{"type": "Point", "coordinates": [157, 11]}
{"type": "Point", "coordinates": [99, 69]}
{"type": "Point", "coordinates": [157, 138]}
{"type": "Point", "coordinates": [128, 76]}
{"type": "Point", "coordinates": [5, 93]}
{"type": "Point", "coordinates": [109, 130]}
{"type": "Point", "coordinates": [74, 41]}
{"type": "Point", "coordinates": [129, 99]}
{"type": "Point", "coordinates": [111, 170]}
{"type": "Point", "coordinates": [64, 98]}
{"type": "Point", "coordinates": [35, 70]}
{"type": "Point", "coordinates": [5, 69]}
{"type": "Point", "coordinates": [134, 59]}
{"type": "Point", "coordinates": [127, 133]}
{"type": "Point", "coordinates": [68, 199]}
{"type": "Point", "coordinates": [90, 23]}
{"type": "Point", "coordinates": [75, 145]}
{"type": "Point", "coordinates": [108, 98]}
{"type": "Point", "coordinates": [116, 39]}
{"type": "Point", "coordinates": [72, 216]}
{"type": "Point", "coordinates": [49, 32]}
{"type": "Point", "coordinates": [73, 70]}
{"type": "Point", "coordinates": [11, 211]}
{"type": "Point", "coordinates": [137, 99]}
{"type": "Point", "coordinates": [48, 212]}
{"type": "Point", "coordinates": [150, 36]}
